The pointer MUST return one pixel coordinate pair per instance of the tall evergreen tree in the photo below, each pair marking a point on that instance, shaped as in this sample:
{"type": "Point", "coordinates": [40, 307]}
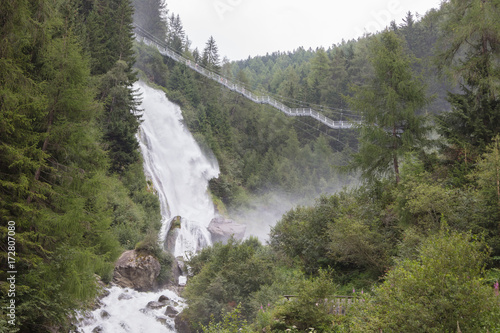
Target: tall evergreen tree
{"type": "Point", "coordinates": [388, 105]}
{"type": "Point", "coordinates": [151, 16]}
{"type": "Point", "coordinates": [211, 58]}
{"type": "Point", "coordinates": [472, 53]}
{"type": "Point", "coordinates": [110, 44]}
{"type": "Point", "coordinates": [176, 37]}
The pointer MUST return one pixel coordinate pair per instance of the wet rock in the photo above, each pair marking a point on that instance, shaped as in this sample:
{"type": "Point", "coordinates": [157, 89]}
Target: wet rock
{"type": "Point", "coordinates": [162, 319]}
{"type": "Point", "coordinates": [101, 286]}
{"type": "Point", "coordinates": [175, 225]}
{"type": "Point", "coordinates": [163, 299]}
{"type": "Point", "coordinates": [124, 296]}
{"type": "Point", "coordinates": [105, 314]}
{"type": "Point", "coordinates": [125, 327]}
{"type": "Point", "coordinates": [221, 229]}
{"type": "Point", "coordinates": [98, 329]}
{"type": "Point", "coordinates": [177, 270]}
{"type": "Point", "coordinates": [155, 305]}
{"type": "Point", "coordinates": [137, 271]}
{"type": "Point", "coordinates": [171, 312]}
{"type": "Point", "coordinates": [87, 319]}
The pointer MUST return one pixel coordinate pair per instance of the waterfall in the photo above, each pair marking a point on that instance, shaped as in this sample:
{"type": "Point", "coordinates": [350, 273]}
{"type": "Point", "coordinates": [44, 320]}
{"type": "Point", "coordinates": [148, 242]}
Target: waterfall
{"type": "Point", "coordinates": [179, 171]}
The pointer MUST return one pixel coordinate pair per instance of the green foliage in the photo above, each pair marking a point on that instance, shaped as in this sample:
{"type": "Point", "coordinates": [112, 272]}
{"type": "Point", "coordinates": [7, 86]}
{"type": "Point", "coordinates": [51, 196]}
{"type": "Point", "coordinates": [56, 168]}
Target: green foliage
{"type": "Point", "coordinates": [231, 323]}
{"type": "Point", "coordinates": [54, 165]}
{"type": "Point", "coordinates": [342, 231]}
{"type": "Point", "coordinates": [470, 50]}
{"type": "Point", "coordinates": [310, 310]}
{"type": "Point", "coordinates": [149, 15]}
{"type": "Point", "coordinates": [302, 234]}
{"type": "Point", "coordinates": [136, 210]}
{"type": "Point", "coordinates": [435, 292]}
{"type": "Point", "coordinates": [388, 105]}
{"type": "Point", "coordinates": [150, 245]}
{"type": "Point", "coordinates": [151, 63]}
{"type": "Point", "coordinates": [488, 173]}
{"type": "Point", "coordinates": [225, 276]}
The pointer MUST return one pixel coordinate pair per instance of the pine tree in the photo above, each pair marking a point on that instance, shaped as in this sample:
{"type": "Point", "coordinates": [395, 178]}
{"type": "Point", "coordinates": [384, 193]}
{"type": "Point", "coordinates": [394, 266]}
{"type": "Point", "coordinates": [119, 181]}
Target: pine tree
{"type": "Point", "coordinates": [319, 73]}
{"type": "Point", "coordinates": [472, 53]}
{"type": "Point", "coordinates": [110, 45]}
{"type": "Point", "coordinates": [388, 105]}
{"type": "Point", "coordinates": [176, 37]}
{"type": "Point", "coordinates": [151, 16]}
{"type": "Point", "coordinates": [210, 57]}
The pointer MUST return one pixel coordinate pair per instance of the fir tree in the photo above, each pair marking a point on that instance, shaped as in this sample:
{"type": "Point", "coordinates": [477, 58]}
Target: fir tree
{"type": "Point", "coordinates": [472, 36]}
{"type": "Point", "coordinates": [151, 16]}
{"type": "Point", "coordinates": [210, 57]}
{"type": "Point", "coordinates": [388, 105]}
{"type": "Point", "coordinates": [176, 37]}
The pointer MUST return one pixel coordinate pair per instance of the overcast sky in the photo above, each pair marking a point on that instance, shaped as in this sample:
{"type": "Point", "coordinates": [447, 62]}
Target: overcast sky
{"type": "Point", "coordinates": [245, 28]}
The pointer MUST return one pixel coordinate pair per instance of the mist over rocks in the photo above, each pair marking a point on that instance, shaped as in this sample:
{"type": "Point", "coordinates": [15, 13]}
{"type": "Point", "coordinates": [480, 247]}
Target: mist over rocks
{"type": "Point", "coordinates": [221, 229]}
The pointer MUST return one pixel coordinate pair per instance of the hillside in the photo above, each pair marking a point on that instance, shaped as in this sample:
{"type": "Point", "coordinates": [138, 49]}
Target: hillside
{"type": "Point", "coordinates": [416, 239]}
{"type": "Point", "coordinates": [73, 194]}
{"type": "Point", "coordinates": [401, 214]}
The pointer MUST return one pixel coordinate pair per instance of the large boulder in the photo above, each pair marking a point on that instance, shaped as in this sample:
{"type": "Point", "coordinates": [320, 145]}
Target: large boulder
{"type": "Point", "coordinates": [221, 229]}
{"type": "Point", "coordinates": [137, 271]}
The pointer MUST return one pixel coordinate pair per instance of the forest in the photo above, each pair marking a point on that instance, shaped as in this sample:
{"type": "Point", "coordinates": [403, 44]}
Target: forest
{"type": "Point", "coordinates": [402, 214]}
{"type": "Point", "coordinates": [73, 194]}
{"type": "Point", "coordinates": [406, 215]}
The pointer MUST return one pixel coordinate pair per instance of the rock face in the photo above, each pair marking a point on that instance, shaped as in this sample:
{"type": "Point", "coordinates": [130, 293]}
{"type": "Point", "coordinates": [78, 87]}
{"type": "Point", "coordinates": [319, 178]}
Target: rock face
{"type": "Point", "coordinates": [172, 233]}
{"type": "Point", "coordinates": [137, 271]}
{"type": "Point", "coordinates": [222, 229]}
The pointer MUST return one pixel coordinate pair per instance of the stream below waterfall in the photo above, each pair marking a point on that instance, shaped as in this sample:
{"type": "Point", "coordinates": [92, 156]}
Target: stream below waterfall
{"type": "Point", "coordinates": [179, 170]}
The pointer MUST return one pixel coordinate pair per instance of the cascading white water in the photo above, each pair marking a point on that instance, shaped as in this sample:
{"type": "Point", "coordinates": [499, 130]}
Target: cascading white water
{"type": "Point", "coordinates": [180, 172]}
{"type": "Point", "coordinates": [178, 169]}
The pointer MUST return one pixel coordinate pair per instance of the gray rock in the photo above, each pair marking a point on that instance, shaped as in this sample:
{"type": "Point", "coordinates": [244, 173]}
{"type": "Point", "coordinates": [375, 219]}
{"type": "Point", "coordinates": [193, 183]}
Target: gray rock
{"type": "Point", "coordinates": [162, 319]}
{"type": "Point", "coordinates": [98, 329]}
{"type": "Point", "coordinates": [221, 229]}
{"type": "Point", "coordinates": [125, 327]}
{"type": "Point", "coordinates": [137, 271]}
{"type": "Point", "coordinates": [105, 314]}
{"type": "Point", "coordinates": [163, 299]}
{"type": "Point", "coordinates": [171, 312]}
{"type": "Point", "coordinates": [175, 225]}
{"type": "Point", "coordinates": [155, 305]}
{"type": "Point", "coordinates": [123, 296]}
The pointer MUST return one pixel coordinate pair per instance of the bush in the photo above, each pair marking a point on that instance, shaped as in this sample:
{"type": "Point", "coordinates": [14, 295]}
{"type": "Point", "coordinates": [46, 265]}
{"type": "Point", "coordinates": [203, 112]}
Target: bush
{"type": "Point", "coordinates": [434, 293]}
{"type": "Point", "coordinates": [309, 311]}
{"type": "Point", "coordinates": [225, 276]}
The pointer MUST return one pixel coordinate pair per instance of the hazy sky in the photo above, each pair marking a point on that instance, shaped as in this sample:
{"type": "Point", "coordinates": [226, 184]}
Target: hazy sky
{"type": "Point", "coordinates": [255, 27]}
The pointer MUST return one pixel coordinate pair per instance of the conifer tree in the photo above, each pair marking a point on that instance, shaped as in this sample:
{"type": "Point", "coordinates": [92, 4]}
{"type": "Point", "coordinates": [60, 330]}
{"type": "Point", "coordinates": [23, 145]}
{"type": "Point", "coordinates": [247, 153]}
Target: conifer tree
{"type": "Point", "coordinates": [110, 44]}
{"type": "Point", "coordinates": [151, 16]}
{"type": "Point", "coordinates": [210, 56]}
{"type": "Point", "coordinates": [176, 37]}
{"type": "Point", "coordinates": [472, 53]}
{"type": "Point", "coordinates": [388, 105]}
